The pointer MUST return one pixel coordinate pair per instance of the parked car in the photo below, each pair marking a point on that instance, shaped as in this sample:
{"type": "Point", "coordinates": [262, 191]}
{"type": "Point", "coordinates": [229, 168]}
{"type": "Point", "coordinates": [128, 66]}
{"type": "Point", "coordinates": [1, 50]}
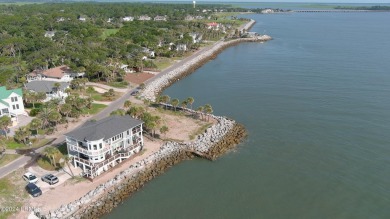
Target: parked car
{"type": "Point", "coordinates": [134, 93]}
{"type": "Point", "coordinates": [33, 189]}
{"type": "Point", "coordinates": [29, 177]}
{"type": "Point", "coordinates": [50, 178]}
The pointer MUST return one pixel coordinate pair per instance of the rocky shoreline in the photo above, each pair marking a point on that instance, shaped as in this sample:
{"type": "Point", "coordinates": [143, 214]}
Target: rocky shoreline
{"type": "Point", "coordinates": [155, 87]}
{"type": "Point", "coordinates": [215, 141]}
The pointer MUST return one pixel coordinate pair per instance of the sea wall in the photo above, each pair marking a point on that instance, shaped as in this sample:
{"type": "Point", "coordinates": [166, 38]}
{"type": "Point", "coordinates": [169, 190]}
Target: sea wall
{"type": "Point", "coordinates": [215, 141]}
{"type": "Point", "coordinates": [153, 88]}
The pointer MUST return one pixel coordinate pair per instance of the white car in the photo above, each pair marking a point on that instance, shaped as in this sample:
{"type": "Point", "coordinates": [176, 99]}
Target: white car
{"type": "Point", "coordinates": [29, 177]}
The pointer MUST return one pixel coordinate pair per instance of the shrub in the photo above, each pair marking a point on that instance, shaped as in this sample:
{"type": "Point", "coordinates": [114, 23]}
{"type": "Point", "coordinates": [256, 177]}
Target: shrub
{"type": "Point", "coordinates": [34, 112]}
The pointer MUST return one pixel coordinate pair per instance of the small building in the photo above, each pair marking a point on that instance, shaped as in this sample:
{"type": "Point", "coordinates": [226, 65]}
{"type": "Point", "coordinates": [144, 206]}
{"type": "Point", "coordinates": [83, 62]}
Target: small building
{"type": "Point", "coordinates": [98, 146]}
{"type": "Point", "coordinates": [181, 47]}
{"type": "Point", "coordinates": [49, 88]}
{"type": "Point", "coordinates": [83, 19]}
{"type": "Point", "coordinates": [128, 18]}
{"type": "Point", "coordinates": [189, 18]}
{"type": "Point", "coordinates": [60, 19]}
{"type": "Point", "coordinates": [60, 74]}
{"type": "Point", "coordinates": [11, 103]}
{"type": "Point", "coordinates": [212, 26]}
{"type": "Point", "coordinates": [144, 18]}
{"type": "Point", "coordinates": [160, 18]}
{"type": "Point", "coordinates": [109, 20]}
{"type": "Point", "coordinates": [50, 34]}
{"type": "Point", "coordinates": [196, 37]}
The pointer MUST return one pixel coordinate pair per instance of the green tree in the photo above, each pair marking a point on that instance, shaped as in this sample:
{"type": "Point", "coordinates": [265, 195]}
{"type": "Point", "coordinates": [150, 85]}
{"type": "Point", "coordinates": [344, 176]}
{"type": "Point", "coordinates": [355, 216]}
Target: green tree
{"type": "Point", "coordinates": [65, 110]}
{"type": "Point", "coordinates": [208, 109]}
{"type": "Point", "coordinates": [35, 124]}
{"type": "Point", "coordinates": [175, 103]}
{"type": "Point", "coordinates": [200, 111]}
{"type": "Point", "coordinates": [190, 100]}
{"type": "Point", "coordinates": [127, 104]}
{"type": "Point", "coordinates": [22, 134]}
{"type": "Point", "coordinates": [5, 122]}
{"type": "Point", "coordinates": [164, 129]}
{"type": "Point", "coordinates": [51, 152]}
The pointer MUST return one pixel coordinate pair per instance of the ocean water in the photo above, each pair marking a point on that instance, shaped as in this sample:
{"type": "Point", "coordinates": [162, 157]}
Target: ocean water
{"type": "Point", "coordinates": [316, 104]}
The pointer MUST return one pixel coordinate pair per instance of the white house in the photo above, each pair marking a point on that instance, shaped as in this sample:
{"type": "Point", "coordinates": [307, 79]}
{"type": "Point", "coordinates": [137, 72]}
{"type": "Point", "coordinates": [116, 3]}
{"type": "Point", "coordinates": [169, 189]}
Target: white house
{"type": "Point", "coordinates": [83, 19]}
{"type": "Point", "coordinates": [128, 18]}
{"type": "Point", "coordinates": [196, 37]}
{"type": "Point", "coordinates": [11, 103]}
{"type": "Point", "coordinates": [181, 47]}
{"type": "Point", "coordinates": [160, 18]}
{"type": "Point", "coordinates": [144, 18]}
{"type": "Point", "coordinates": [99, 145]}
{"type": "Point", "coordinates": [49, 88]}
{"type": "Point", "coordinates": [50, 34]}
{"type": "Point", "coordinates": [60, 74]}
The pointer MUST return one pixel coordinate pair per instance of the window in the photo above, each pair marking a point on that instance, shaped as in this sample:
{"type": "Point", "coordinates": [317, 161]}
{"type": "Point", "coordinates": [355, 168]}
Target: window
{"type": "Point", "coordinates": [17, 106]}
{"type": "Point", "coordinates": [14, 99]}
{"type": "Point", "coordinates": [13, 107]}
{"type": "Point", "coordinates": [94, 147]}
{"type": "Point", "coordinates": [100, 145]}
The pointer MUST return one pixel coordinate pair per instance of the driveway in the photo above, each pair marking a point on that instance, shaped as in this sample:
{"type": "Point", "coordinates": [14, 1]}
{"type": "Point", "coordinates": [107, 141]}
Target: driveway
{"type": "Point", "coordinates": [22, 121]}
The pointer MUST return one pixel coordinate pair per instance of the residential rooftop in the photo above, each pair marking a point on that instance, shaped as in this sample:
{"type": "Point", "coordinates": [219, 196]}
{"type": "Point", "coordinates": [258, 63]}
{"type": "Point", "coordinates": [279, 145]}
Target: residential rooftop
{"type": "Point", "coordinates": [103, 129]}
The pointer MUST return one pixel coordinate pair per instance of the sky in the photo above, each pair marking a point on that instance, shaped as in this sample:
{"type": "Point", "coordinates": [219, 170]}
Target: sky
{"type": "Point", "coordinates": [312, 1]}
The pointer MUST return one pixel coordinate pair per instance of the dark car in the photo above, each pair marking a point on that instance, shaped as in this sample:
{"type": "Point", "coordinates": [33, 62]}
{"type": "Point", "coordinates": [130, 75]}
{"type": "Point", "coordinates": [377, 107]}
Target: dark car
{"type": "Point", "coordinates": [33, 189]}
{"type": "Point", "coordinates": [134, 93]}
{"type": "Point", "coordinates": [50, 178]}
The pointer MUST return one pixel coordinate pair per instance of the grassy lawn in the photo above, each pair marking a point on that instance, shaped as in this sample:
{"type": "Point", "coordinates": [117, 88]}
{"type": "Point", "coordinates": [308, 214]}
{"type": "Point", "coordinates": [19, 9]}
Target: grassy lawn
{"type": "Point", "coordinates": [164, 62]}
{"type": "Point", "coordinates": [96, 107]}
{"type": "Point", "coordinates": [36, 142]}
{"type": "Point", "coordinates": [123, 84]}
{"type": "Point", "coordinates": [12, 193]}
{"type": "Point", "coordinates": [201, 130]}
{"type": "Point", "coordinates": [100, 97]}
{"type": "Point", "coordinates": [108, 32]}
{"type": "Point", "coordinates": [7, 158]}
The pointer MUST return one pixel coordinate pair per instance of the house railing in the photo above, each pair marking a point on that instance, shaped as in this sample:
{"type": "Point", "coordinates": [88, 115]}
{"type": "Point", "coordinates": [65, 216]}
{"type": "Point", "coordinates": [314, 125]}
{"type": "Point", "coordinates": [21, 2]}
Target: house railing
{"type": "Point", "coordinates": [89, 152]}
{"type": "Point", "coordinates": [95, 167]}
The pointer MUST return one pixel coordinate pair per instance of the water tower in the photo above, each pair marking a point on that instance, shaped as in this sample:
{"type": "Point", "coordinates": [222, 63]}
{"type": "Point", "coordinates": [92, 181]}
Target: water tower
{"type": "Point", "coordinates": [194, 2]}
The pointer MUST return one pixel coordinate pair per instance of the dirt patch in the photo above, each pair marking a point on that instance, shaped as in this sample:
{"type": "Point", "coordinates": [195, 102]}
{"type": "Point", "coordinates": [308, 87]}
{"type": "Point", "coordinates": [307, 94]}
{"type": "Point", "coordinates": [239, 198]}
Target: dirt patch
{"type": "Point", "coordinates": [138, 78]}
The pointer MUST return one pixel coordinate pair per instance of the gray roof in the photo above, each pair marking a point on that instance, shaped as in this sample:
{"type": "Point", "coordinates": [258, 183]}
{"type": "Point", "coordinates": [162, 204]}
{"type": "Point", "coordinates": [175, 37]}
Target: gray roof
{"type": "Point", "coordinates": [45, 86]}
{"type": "Point", "coordinates": [103, 129]}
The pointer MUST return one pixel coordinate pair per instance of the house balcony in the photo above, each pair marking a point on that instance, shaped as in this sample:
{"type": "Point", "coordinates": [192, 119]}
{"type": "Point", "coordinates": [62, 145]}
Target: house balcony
{"type": "Point", "coordinates": [91, 153]}
{"type": "Point", "coordinates": [93, 169]}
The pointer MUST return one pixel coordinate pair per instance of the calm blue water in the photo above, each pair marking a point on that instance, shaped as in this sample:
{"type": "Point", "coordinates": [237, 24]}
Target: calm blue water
{"type": "Point", "coordinates": [316, 104]}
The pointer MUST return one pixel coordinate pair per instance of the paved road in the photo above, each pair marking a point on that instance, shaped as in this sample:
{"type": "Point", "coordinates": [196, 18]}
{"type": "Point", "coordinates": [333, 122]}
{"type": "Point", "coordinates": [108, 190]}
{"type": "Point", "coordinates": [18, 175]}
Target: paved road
{"type": "Point", "coordinates": [20, 162]}
{"type": "Point", "coordinates": [105, 112]}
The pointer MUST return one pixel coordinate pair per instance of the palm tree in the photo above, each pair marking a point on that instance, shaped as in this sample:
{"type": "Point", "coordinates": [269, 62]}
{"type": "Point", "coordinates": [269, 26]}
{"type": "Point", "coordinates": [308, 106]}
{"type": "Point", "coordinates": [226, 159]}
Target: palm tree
{"type": "Point", "coordinates": [44, 115]}
{"type": "Point", "coordinates": [5, 122]}
{"type": "Point", "coordinates": [200, 111]}
{"type": "Point", "coordinates": [65, 109]}
{"type": "Point", "coordinates": [22, 134]}
{"type": "Point", "coordinates": [67, 159]}
{"type": "Point", "coordinates": [56, 87]}
{"type": "Point", "coordinates": [208, 109]}
{"type": "Point", "coordinates": [165, 99]}
{"type": "Point", "coordinates": [54, 117]}
{"type": "Point", "coordinates": [190, 100]}
{"type": "Point", "coordinates": [51, 152]}
{"type": "Point", "coordinates": [35, 124]}
{"type": "Point", "coordinates": [184, 104]}
{"type": "Point", "coordinates": [175, 103]}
